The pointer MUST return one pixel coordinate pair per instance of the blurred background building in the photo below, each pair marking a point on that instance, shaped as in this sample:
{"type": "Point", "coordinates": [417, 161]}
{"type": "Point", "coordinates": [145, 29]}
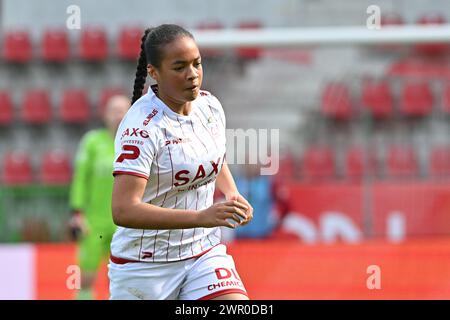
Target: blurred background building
{"type": "Point", "coordinates": [364, 130]}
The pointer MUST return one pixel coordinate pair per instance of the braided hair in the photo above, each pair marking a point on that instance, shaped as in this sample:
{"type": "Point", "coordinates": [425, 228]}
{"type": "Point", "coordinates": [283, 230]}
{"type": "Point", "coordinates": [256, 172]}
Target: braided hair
{"type": "Point", "coordinates": [152, 43]}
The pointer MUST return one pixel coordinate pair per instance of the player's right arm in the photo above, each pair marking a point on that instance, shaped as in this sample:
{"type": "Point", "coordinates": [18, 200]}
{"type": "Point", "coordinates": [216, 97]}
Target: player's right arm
{"type": "Point", "coordinates": [129, 211]}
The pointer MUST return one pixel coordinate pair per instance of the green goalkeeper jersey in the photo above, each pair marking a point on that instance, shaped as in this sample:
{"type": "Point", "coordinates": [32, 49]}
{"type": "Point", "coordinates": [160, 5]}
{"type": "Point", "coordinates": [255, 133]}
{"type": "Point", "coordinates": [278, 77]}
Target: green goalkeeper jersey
{"type": "Point", "coordinates": [92, 183]}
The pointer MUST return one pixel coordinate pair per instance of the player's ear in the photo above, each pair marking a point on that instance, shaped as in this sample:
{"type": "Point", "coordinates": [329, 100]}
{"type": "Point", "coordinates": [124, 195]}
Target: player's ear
{"type": "Point", "coordinates": [152, 72]}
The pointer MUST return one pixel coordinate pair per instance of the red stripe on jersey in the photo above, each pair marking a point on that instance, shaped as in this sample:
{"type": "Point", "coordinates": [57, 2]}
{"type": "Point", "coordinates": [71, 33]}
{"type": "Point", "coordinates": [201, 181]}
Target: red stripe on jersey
{"type": "Point", "coordinates": [196, 205]}
{"type": "Point", "coordinates": [192, 125]}
{"type": "Point", "coordinates": [154, 245]}
{"type": "Point", "coordinates": [206, 128]}
{"type": "Point", "coordinates": [136, 174]}
{"type": "Point", "coordinates": [162, 205]}
{"type": "Point", "coordinates": [221, 120]}
{"type": "Point", "coordinates": [168, 240]}
{"type": "Point", "coordinates": [206, 205]}
{"type": "Point", "coordinates": [223, 160]}
{"type": "Point", "coordinates": [140, 247]}
{"type": "Point", "coordinates": [192, 251]}
{"type": "Point", "coordinates": [222, 292]}
{"type": "Point", "coordinates": [157, 166]}
{"type": "Point", "coordinates": [157, 193]}
{"type": "Point", "coordinates": [182, 134]}
{"type": "Point", "coordinates": [117, 260]}
{"type": "Point", "coordinates": [170, 155]}
{"type": "Point", "coordinates": [190, 144]}
{"type": "Point", "coordinates": [212, 113]}
{"type": "Point", "coordinates": [181, 243]}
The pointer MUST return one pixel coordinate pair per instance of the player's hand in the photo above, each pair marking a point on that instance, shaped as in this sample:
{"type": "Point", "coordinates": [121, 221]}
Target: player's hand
{"type": "Point", "coordinates": [239, 198]}
{"type": "Point", "coordinates": [229, 213]}
{"type": "Point", "coordinates": [78, 226]}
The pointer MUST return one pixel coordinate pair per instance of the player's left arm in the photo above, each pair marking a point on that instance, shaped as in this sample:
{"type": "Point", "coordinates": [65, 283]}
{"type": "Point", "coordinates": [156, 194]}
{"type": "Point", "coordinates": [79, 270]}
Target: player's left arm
{"type": "Point", "coordinates": [225, 183]}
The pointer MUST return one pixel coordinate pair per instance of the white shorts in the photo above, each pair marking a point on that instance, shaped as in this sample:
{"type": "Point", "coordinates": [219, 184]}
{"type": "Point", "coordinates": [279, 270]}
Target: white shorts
{"type": "Point", "coordinates": [205, 277]}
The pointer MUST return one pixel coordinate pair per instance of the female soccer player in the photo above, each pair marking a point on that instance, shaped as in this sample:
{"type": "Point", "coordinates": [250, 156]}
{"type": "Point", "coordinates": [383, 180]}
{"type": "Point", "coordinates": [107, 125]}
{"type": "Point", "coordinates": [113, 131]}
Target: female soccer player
{"type": "Point", "coordinates": [170, 155]}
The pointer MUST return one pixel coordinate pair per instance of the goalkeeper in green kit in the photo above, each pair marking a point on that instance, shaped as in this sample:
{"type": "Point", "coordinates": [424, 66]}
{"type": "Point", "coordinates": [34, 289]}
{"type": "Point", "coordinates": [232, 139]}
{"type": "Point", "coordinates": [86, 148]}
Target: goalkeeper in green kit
{"type": "Point", "coordinates": [90, 195]}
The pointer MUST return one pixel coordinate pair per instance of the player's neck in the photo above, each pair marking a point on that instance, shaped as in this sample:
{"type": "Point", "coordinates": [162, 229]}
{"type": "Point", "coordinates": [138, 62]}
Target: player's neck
{"type": "Point", "coordinates": [181, 108]}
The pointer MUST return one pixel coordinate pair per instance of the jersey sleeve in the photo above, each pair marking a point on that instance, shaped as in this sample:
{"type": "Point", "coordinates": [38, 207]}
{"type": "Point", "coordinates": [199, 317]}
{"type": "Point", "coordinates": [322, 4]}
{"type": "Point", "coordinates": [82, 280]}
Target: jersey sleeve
{"type": "Point", "coordinates": [79, 189]}
{"type": "Point", "coordinates": [135, 149]}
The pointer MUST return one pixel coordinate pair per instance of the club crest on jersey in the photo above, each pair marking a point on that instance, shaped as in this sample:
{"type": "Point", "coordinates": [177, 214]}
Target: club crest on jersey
{"type": "Point", "coordinates": [150, 116]}
{"type": "Point", "coordinates": [213, 128]}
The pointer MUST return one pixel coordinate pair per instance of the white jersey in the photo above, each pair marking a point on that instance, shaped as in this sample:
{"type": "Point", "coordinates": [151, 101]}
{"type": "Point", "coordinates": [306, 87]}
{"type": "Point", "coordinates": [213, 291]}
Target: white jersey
{"type": "Point", "coordinates": [180, 156]}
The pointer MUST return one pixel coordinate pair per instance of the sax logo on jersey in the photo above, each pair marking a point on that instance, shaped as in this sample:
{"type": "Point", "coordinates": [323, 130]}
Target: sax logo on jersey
{"type": "Point", "coordinates": [150, 117]}
{"type": "Point", "coordinates": [182, 176]}
{"type": "Point", "coordinates": [135, 132]}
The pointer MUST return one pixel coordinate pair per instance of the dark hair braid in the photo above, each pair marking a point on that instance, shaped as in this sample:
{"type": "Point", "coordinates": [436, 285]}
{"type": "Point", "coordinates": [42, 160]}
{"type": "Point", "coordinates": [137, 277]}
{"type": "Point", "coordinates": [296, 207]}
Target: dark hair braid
{"type": "Point", "coordinates": [152, 42]}
{"type": "Point", "coordinates": [141, 71]}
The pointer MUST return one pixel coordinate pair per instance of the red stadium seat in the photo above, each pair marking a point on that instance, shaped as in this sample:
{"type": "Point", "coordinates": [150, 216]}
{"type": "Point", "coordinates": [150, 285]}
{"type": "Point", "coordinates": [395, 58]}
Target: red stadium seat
{"type": "Point", "coordinates": [249, 52]}
{"type": "Point", "coordinates": [106, 94]}
{"type": "Point", "coordinates": [129, 43]}
{"type": "Point", "coordinates": [55, 45]}
{"type": "Point", "coordinates": [17, 46]}
{"type": "Point", "coordinates": [208, 26]}
{"type": "Point", "coordinates": [440, 161]}
{"type": "Point", "coordinates": [36, 108]}
{"type": "Point", "coordinates": [55, 168]}
{"type": "Point", "coordinates": [401, 162]}
{"type": "Point", "coordinates": [93, 44]}
{"type": "Point", "coordinates": [17, 169]}
{"type": "Point", "coordinates": [377, 97]}
{"type": "Point", "coordinates": [416, 99]}
{"type": "Point", "coordinates": [355, 167]}
{"type": "Point", "coordinates": [336, 101]}
{"type": "Point", "coordinates": [75, 106]}
{"type": "Point", "coordinates": [432, 48]}
{"type": "Point", "coordinates": [318, 163]}
{"type": "Point", "coordinates": [6, 108]}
